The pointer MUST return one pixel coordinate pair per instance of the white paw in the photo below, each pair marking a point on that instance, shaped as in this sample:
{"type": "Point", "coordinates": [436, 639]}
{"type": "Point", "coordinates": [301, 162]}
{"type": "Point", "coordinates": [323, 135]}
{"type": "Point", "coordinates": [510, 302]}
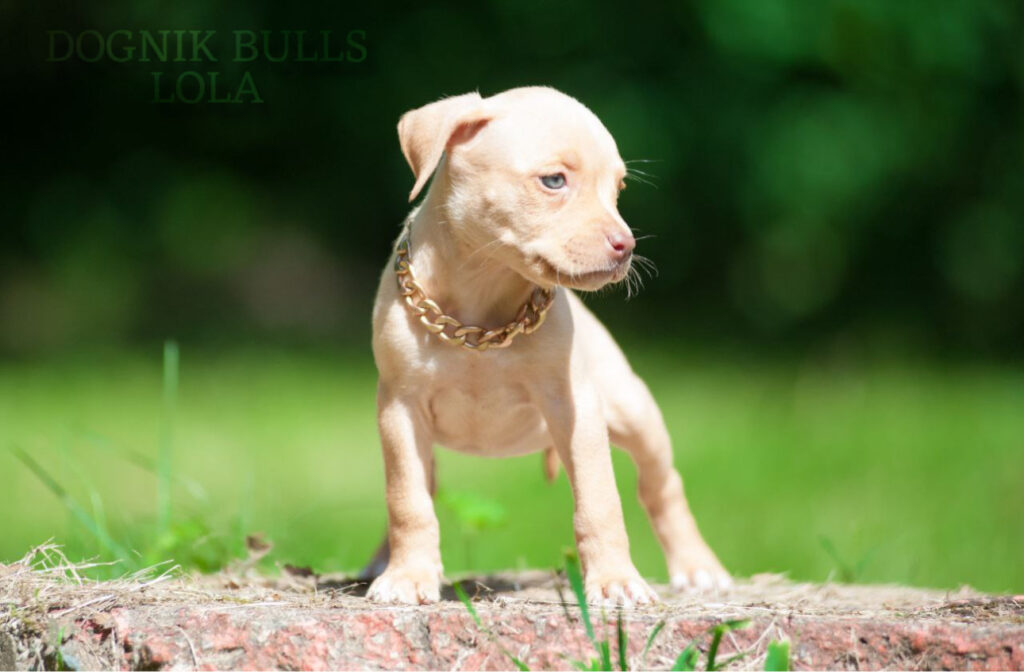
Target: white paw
{"type": "Point", "coordinates": [619, 590]}
{"type": "Point", "coordinates": [701, 579]}
{"type": "Point", "coordinates": [406, 586]}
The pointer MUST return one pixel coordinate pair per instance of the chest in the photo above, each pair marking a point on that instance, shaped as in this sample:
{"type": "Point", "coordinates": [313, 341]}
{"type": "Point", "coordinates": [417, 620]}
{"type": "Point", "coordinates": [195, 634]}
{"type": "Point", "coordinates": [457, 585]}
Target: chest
{"type": "Point", "coordinates": [482, 408]}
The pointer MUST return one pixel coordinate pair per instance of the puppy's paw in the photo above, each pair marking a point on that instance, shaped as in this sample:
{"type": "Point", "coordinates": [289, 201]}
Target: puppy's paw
{"type": "Point", "coordinates": [625, 589]}
{"type": "Point", "coordinates": [700, 578]}
{"type": "Point", "coordinates": [406, 585]}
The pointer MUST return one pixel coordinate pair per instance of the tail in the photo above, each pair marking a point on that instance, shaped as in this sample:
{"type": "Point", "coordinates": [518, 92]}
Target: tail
{"type": "Point", "coordinates": [551, 464]}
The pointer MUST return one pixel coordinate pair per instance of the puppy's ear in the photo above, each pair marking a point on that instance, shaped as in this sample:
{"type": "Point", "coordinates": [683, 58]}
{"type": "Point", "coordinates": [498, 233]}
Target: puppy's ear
{"type": "Point", "coordinates": [425, 133]}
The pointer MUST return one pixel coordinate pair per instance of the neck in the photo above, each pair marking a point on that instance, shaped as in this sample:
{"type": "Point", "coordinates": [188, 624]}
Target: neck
{"type": "Point", "coordinates": [459, 274]}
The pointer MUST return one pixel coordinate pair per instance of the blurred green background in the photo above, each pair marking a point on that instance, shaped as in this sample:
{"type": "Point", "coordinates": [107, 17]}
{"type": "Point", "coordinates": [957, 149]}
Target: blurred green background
{"type": "Point", "coordinates": [835, 331]}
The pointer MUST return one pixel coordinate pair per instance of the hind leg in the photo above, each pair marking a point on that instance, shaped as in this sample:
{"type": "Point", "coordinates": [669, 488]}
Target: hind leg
{"type": "Point", "coordinates": [636, 425]}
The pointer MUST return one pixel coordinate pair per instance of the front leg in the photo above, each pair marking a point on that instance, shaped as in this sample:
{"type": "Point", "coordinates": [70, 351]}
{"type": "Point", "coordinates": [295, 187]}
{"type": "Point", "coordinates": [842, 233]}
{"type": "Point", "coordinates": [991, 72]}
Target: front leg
{"type": "Point", "coordinates": [413, 574]}
{"type": "Point", "coordinates": [579, 433]}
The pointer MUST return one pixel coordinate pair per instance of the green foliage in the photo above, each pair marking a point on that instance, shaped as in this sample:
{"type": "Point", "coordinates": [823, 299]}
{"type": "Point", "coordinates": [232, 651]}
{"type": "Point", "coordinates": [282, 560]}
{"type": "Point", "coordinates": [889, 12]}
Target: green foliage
{"type": "Point", "coordinates": [464, 598]}
{"type": "Point", "coordinates": [650, 642]}
{"type": "Point", "coordinates": [603, 661]}
{"type": "Point", "coordinates": [474, 514]}
{"type": "Point", "coordinates": [824, 169]}
{"type": "Point", "coordinates": [717, 633]}
{"type": "Point", "coordinates": [575, 575]}
{"type": "Point", "coordinates": [94, 524]}
{"type": "Point", "coordinates": [848, 572]}
{"type": "Point", "coordinates": [622, 641]}
{"type": "Point", "coordinates": [778, 657]}
{"type": "Point", "coordinates": [687, 660]}
{"type": "Point", "coordinates": [284, 441]}
{"type": "Point", "coordinates": [164, 455]}
{"type": "Point", "coordinates": [188, 540]}
{"type": "Point", "coordinates": [58, 648]}
{"type": "Point", "coordinates": [460, 592]}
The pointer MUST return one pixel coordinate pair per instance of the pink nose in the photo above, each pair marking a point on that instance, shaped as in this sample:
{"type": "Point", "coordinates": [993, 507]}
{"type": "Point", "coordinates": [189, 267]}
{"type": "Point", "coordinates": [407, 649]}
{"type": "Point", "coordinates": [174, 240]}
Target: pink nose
{"type": "Point", "coordinates": [622, 244]}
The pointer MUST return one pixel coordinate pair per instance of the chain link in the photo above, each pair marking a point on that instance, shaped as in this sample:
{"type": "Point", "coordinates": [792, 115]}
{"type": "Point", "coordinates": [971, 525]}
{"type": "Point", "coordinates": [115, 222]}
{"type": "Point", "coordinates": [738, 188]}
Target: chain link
{"type": "Point", "coordinates": [529, 318]}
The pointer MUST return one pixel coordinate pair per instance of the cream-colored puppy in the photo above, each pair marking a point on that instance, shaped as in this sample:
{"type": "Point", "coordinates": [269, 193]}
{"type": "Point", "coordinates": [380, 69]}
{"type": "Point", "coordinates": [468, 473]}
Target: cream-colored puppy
{"type": "Point", "coordinates": [521, 210]}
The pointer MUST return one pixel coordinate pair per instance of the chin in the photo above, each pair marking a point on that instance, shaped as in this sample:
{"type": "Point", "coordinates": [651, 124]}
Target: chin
{"type": "Point", "coordinates": [545, 273]}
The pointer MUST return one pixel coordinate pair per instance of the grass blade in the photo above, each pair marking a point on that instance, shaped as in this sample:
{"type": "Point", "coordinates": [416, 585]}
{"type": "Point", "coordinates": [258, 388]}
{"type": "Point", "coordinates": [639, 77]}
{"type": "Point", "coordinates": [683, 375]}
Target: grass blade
{"type": "Point", "coordinates": [461, 594]}
{"type": "Point", "coordinates": [99, 512]}
{"type": "Point", "coordinates": [144, 462]}
{"type": "Point", "coordinates": [716, 639]}
{"type": "Point", "coordinates": [622, 637]}
{"type": "Point", "coordinates": [778, 657]}
{"type": "Point", "coordinates": [606, 654]}
{"type": "Point", "coordinates": [163, 462]}
{"type": "Point", "coordinates": [687, 660]}
{"type": "Point", "coordinates": [650, 642]}
{"type": "Point", "coordinates": [846, 572]}
{"type": "Point", "coordinates": [78, 475]}
{"type": "Point", "coordinates": [572, 570]}
{"type": "Point", "coordinates": [732, 659]}
{"type": "Point", "coordinates": [80, 514]}
{"type": "Point", "coordinates": [577, 664]}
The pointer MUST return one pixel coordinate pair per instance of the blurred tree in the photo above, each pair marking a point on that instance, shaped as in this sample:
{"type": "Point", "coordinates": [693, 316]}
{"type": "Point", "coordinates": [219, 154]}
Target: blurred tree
{"type": "Point", "coordinates": [819, 170]}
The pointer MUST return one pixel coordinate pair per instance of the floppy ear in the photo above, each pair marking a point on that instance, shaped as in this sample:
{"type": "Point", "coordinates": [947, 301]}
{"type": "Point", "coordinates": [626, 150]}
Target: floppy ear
{"type": "Point", "coordinates": [425, 133]}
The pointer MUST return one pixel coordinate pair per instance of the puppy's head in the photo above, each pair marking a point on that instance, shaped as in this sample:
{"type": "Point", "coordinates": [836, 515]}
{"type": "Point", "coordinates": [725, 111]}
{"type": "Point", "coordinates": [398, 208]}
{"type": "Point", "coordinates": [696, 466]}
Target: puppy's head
{"type": "Point", "coordinates": [532, 175]}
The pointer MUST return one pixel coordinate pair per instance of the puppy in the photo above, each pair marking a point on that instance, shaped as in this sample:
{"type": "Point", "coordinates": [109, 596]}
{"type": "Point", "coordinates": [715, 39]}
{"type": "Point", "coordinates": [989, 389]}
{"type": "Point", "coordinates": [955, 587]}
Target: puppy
{"type": "Point", "coordinates": [482, 346]}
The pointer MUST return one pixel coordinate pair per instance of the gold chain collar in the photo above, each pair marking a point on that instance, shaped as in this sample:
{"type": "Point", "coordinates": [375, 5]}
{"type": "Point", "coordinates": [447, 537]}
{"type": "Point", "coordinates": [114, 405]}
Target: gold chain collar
{"type": "Point", "coordinates": [528, 319]}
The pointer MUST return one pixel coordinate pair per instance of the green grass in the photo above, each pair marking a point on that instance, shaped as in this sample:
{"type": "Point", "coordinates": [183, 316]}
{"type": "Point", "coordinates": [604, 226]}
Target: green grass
{"type": "Point", "coordinates": [776, 658]}
{"type": "Point", "coordinates": [868, 471]}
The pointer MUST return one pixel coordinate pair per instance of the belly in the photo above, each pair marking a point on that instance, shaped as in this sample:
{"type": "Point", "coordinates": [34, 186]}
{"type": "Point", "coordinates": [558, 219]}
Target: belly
{"type": "Point", "coordinates": [493, 421]}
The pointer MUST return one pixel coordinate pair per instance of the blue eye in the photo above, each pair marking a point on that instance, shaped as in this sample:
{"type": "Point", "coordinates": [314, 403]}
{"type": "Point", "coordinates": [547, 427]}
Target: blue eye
{"type": "Point", "coordinates": [556, 181]}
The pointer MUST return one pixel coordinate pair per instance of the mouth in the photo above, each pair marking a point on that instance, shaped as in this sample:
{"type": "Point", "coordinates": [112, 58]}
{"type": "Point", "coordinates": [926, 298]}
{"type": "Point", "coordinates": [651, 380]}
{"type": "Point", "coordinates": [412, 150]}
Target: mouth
{"type": "Point", "coordinates": [585, 281]}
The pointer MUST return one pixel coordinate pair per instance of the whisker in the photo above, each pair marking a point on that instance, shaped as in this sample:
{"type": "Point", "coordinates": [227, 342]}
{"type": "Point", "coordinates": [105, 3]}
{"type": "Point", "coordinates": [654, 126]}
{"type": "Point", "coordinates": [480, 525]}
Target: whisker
{"type": "Point", "coordinates": [639, 175]}
{"type": "Point", "coordinates": [649, 268]}
{"type": "Point", "coordinates": [634, 282]}
{"type": "Point", "coordinates": [642, 180]}
{"type": "Point", "coordinates": [646, 265]}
